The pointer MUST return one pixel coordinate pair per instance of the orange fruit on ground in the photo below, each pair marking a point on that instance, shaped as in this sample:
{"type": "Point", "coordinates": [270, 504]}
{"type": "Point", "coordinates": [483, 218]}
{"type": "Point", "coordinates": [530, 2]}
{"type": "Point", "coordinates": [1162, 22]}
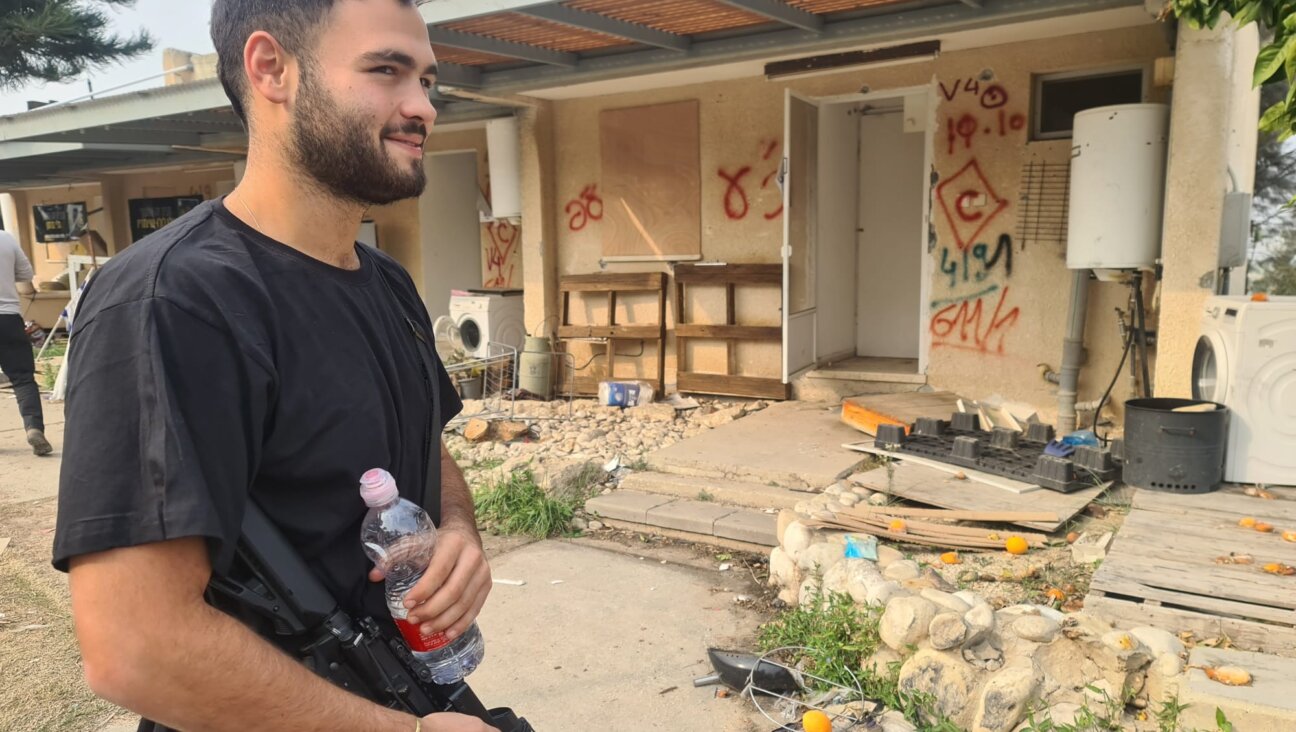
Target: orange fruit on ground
{"type": "Point", "coordinates": [1247, 523]}
{"type": "Point", "coordinates": [898, 525]}
{"type": "Point", "coordinates": [1263, 527]}
{"type": "Point", "coordinates": [1072, 537]}
{"type": "Point", "coordinates": [951, 558]}
{"type": "Point", "coordinates": [1054, 593]}
{"type": "Point", "coordinates": [1289, 536]}
{"type": "Point", "coordinates": [816, 721]}
{"type": "Point", "coordinates": [1016, 545]}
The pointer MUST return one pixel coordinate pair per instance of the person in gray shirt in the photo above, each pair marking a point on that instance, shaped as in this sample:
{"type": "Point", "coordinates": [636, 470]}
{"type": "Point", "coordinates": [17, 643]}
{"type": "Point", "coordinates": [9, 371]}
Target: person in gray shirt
{"type": "Point", "coordinates": [15, 348]}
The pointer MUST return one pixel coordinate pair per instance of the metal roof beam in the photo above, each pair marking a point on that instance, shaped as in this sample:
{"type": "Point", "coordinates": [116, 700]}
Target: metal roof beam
{"type": "Point", "coordinates": [452, 74]}
{"type": "Point", "coordinates": [608, 26]}
{"type": "Point", "coordinates": [978, 4]}
{"type": "Point", "coordinates": [925, 21]}
{"type": "Point", "coordinates": [442, 11]}
{"type": "Point", "coordinates": [19, 150]}
{"type": "Point", "coordinates": [161, 102]}
{"type": "Point", "coordinates": [482, 44]}
{"type": "Point", "coordinates": [781, 12]}
{"type": "Point", "coordinates": [119, 137]}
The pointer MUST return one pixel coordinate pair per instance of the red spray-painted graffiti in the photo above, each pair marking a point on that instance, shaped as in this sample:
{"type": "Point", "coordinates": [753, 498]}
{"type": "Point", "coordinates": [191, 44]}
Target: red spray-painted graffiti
{"type": "Point", "coordinates": [500, 260]}
{"type": "Point", "coordinates": [584, 208]}
{"type": "Point", "coordinates": [736, 202]}
{"type": "Point", "coordinates": [968, 326]}
{"type": "Point", "coordinates": [959, 194]}
{"type": "Point", "coordinates": [994, 99]}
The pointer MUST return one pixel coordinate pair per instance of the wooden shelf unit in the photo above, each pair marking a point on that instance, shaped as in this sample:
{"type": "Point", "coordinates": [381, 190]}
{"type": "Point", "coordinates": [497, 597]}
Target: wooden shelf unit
{"type": "Point", "coordinates": [613, 285]}
{"type": "Point", "coordinates": [731, 276]}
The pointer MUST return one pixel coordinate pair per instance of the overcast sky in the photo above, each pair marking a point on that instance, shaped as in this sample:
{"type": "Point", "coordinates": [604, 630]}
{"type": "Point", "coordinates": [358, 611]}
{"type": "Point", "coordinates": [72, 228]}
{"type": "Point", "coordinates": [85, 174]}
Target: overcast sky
{"type": "Point", "coordinates": [172, 23]}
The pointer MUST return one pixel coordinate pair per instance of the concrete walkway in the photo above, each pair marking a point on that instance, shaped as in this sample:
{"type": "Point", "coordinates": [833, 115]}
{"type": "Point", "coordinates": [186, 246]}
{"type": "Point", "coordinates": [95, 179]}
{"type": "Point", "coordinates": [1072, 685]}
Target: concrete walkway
{"type": "Point", "coordinates": [791, 444]}
{"type": "Point", "coordinates": [23, 476]}
{"type": "Point", "coordinates": [615, 644]}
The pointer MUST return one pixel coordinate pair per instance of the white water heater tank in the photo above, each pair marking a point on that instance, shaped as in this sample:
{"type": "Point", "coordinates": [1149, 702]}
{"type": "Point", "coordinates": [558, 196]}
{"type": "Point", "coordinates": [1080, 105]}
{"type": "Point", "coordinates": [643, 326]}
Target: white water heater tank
{"type": "Point", "coordinates": [1118, 164]}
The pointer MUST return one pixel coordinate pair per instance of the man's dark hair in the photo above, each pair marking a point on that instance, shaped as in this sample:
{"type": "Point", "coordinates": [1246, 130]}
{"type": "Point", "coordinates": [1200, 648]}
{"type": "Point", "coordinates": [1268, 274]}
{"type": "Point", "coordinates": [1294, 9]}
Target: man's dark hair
{"type": "Point", "coordinates": [294, 23]}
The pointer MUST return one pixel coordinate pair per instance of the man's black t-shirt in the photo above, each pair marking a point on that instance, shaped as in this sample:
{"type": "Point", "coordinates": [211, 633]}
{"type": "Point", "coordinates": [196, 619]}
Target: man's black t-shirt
{"type": "Point", "coordinates": [211, 365]}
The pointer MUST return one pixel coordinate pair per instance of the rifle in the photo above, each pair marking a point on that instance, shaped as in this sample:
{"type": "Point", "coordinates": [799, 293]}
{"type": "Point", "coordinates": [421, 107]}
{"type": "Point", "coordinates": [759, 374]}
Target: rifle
{"type": "Point", "coordinates": [269, 580]}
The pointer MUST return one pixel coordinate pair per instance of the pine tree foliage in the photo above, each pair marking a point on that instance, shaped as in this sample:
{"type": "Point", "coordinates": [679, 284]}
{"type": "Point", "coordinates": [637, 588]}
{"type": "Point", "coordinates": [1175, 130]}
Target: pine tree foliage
{"type": "Point", "coordinates": [57, 40]}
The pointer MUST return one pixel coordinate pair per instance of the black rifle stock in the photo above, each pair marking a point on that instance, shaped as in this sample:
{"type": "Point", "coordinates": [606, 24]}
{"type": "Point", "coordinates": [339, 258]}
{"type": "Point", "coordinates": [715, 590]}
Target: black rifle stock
{"type": "Point", "coordinates": [270, 580]}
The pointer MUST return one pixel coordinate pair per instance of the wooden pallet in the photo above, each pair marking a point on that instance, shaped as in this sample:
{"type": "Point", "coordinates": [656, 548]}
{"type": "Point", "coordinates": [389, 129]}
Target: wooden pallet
{"type": "Point", "coordinates": [1161, 568]}
{"type": "Point", "coordinates": [731, 276]}
{"type": "Point", "coordinates": [612, 285]}
{"type": "Point", "coordinates": [866, 413]}
{"type": "Point", "coordinates": [934, 487]}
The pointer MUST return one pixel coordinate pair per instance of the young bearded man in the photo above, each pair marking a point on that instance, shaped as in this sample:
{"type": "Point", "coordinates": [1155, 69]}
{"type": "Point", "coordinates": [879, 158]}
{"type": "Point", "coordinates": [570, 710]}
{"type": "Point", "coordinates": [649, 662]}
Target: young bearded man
{"type": "Point", "coordinates": [253, 352]}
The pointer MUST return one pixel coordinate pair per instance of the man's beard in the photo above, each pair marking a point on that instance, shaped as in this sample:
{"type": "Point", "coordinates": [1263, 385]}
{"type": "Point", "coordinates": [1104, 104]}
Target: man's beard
{"type": "Point", "coordinates": [339, 152]}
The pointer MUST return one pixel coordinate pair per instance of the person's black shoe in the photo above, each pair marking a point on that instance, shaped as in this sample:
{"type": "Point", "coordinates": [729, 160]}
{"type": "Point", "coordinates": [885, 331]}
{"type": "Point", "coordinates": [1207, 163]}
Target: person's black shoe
{"type": "Point", "coordinates": [39, 444]}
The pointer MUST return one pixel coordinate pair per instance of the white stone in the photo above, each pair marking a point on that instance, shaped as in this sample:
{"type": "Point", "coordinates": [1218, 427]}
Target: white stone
{"type": "Point", "coordinates": [797, 538]}
{"type": "Point", "coordinates": [1036, 628]}
{"type": "Point", "coordinates": [946, 677]}
{"type": "Point", "coordinates": [894, 721]}
{"type": "Point", "coordinates": [947, 630]}
{"type": "Point", "coordinates": [861, 575]}
{"type": "Point", "coordinates": [883, 593]}
{"type": "Point", "coordinates": [820, 556]}
{"type": "Point", "coordinates": [579, 524]}
{"type": "Point", "coordinates": [946, 601]}
{"type": "Point", "coordinates": [848, 499]}
{"type": "Point", "coordinates": [980, 621]}
{"type": "Point", "coordinates": [835, 489]}
{"type": "Point", "coordinates": [905, 622]}
{"type": "Point", "coordinates": [809, 591]}
{"type": "Point", "coordinates": [596, 526]}
{"type": "Point", "coordinates": [881, 660]}
{"type": "Point", "coordinates": [782, 570]}
{"type": "Point", "coordinates": [1004, 698]}
{"type": "Point", "coordinates": [1169, 664]}
{"type": "Point", "coordinates": [971, 598]}
{"type": "Point", "coordinates": [888, 555]}
{"type": "Point", "coordinates": [1159, 642]}
{"type": "Point", "coordinates": [905, 569]}
{"type": "Point", "coordinates": [1050, 613]}
{"type": "Point", "coordinates": [790, 595]}
{"type": "Point", "coordinates": [879, 499]}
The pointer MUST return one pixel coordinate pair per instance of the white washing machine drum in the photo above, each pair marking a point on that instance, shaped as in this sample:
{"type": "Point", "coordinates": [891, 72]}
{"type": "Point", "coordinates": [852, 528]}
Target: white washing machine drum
{"type": "Point", "coordinates": [471, 334]}
{"type": "Point", "coordinates": [1210, 369]}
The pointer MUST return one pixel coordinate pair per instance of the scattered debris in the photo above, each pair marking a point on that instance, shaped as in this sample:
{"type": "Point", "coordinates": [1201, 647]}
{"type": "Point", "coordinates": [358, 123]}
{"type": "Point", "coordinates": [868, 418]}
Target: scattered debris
{"type": "Point", "coordinates": [555, 582]}
{"type": "Point", "coordinates": [1071, 537]}
{"type": "Point", "coordinates": [4, 544]}
{"type": "Point", "coordinates": [509, 582]}
{"type": "Point", "coordinates": [668, 690]}
{"type": "Point", "coordinates": [477, 430]}
{"type": "Point", "coordinates": [1090, 547]}
{"type": "Point", "coordinates": [511, 431]}
{"type": "Point", "coordinates": [1286, 570]}
{"type": "Point", "coordinates": [1264, 528]}
{"type": "Point", "coordinates": [1235, 558]}
{"type": "Point", "coordinates": [950, 558]}
{"type": "Point", "coordinates": [1258, 492]}
{"type": "Point", "coordinates": [1229, 675]}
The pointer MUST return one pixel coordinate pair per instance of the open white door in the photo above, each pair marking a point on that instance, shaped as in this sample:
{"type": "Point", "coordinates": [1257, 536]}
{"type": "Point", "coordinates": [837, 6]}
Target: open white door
{"type": "Point", "coordinates": [798, 177]}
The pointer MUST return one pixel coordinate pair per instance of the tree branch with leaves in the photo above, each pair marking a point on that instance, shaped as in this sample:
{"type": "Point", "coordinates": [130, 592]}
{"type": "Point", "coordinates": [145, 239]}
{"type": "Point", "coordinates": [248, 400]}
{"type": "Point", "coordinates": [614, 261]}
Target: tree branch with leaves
{"type": "Point", "coordinates": [57, 40]}
{"type": "Point", "coordinates": [1276, 62]}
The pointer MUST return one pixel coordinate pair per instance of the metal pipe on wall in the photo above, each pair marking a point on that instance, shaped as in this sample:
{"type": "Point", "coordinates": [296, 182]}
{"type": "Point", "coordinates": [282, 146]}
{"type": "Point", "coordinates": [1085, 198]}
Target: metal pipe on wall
{"type": "Point", "coordinates": [1073, 352]}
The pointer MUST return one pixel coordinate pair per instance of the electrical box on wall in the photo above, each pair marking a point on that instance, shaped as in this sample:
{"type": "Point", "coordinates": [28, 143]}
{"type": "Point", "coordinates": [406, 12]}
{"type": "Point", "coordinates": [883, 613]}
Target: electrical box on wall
{"type": "Point", "coordinates": [504, 159]}
{"type": "Point", "coordinates": [1235, 230]}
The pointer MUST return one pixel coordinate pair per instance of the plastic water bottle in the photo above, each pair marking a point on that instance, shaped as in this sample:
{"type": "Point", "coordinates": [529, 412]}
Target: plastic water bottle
{"type": "Point", "coordinates": [399, 537]}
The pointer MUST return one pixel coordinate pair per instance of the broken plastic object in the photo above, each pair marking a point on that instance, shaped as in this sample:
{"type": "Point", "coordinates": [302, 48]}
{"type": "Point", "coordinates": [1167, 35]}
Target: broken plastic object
{"type": "Point", "coordinates": [737, 670]}
{"type": "Point", "coordinates": [861, 547]}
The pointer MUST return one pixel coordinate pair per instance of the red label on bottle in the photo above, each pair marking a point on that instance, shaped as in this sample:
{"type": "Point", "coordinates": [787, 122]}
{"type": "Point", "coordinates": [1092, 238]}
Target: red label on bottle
{"type": "Point", "coordinates": [419, 641]}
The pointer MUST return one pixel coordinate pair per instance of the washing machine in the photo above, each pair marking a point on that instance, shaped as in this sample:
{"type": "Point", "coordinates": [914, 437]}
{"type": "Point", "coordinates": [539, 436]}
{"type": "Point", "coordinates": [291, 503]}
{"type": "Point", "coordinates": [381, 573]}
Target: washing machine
{"type": "Point", "coordinates": [1246, 360]}
{"type": "Point", "coordinates": [482, 318]}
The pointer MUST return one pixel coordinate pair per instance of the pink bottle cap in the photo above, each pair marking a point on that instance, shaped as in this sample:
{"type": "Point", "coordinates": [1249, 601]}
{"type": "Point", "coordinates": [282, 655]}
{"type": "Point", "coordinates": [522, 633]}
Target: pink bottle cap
{"type": "Point", "coordinates": [377, 488]}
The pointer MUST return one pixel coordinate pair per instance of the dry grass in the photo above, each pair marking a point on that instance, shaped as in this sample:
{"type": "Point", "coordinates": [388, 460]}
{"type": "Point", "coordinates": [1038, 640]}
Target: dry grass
{"type": "Point", "coordinates": [43, 688]}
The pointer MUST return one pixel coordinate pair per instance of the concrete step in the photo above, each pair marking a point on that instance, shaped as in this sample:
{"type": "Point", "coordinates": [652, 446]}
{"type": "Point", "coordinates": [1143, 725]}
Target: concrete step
{"type": "Point", "coordinates": [1267, 704]}
{"type": "Point", "coordinates": [714, 490]}
{"type": "Point", "coordinates": [707, 522]}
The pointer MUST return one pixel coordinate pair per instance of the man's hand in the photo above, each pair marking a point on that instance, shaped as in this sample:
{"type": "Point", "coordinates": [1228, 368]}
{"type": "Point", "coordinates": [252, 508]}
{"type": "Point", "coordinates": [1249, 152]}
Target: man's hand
{"type": "Point", "coordinates": [450, 594]}
{"type": "Point", "coordinates": [455, 723]}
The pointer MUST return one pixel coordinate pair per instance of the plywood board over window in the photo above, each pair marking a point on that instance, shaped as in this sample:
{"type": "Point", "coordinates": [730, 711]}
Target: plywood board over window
{"type": "Point", "coordinates": [651, 176]}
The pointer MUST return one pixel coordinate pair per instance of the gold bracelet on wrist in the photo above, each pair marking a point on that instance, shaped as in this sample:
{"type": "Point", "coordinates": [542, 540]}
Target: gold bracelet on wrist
{"type": "Point", "coordinates": [418, 725]}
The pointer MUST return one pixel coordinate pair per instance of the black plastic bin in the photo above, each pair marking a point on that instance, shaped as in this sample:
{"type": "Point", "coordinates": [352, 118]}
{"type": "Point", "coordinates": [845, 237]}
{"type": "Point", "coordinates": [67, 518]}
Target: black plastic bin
{"type": "Point", "coordinates": [1180, 452]}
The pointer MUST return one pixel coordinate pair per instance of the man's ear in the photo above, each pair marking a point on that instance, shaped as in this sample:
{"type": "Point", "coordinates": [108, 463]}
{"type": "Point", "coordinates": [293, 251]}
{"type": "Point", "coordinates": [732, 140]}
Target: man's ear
{"type": "Point", "coordinates": [266, 64]}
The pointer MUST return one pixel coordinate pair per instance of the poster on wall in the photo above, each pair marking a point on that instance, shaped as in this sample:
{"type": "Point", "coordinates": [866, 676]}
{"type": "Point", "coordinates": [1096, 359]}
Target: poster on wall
{"type": "Point", "coordinates": [147, 215]}
{"type": "Point", "coordinates": [59, 221]}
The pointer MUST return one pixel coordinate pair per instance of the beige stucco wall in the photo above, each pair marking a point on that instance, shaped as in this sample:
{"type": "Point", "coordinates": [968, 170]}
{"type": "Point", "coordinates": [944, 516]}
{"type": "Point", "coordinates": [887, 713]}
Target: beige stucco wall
{"type": "Point", "coordinates": [742, 125]}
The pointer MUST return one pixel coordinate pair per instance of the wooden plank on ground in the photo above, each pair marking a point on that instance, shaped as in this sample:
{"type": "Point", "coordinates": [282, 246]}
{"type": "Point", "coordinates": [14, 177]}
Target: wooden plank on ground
{"type": "Point", "coordinates": [1229, 504]}
{"type": "Point", "coordinates": [951, 514]}
{"type": "Point", "coordinates": [865, 413]}
{"type": "Point", "coordinates": [1126, 614]}
{"type": "Point", "coordinates": [936, 488]}
{"type": "Point", "coordinates": [743, 386]}
{"type": "Point", "coordinates": [976, 476]}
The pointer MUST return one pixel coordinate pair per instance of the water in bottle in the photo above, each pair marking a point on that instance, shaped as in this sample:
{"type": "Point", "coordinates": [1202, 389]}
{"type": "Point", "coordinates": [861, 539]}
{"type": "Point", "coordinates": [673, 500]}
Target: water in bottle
{"type": "Point", "coordinates": [399, 537]}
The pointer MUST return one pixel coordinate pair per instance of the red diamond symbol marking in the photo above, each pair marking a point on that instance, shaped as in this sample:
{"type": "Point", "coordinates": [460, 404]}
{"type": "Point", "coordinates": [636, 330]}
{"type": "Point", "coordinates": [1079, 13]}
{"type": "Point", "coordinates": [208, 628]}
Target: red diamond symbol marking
{"type": "Point", "coordinates": [957, 196]}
